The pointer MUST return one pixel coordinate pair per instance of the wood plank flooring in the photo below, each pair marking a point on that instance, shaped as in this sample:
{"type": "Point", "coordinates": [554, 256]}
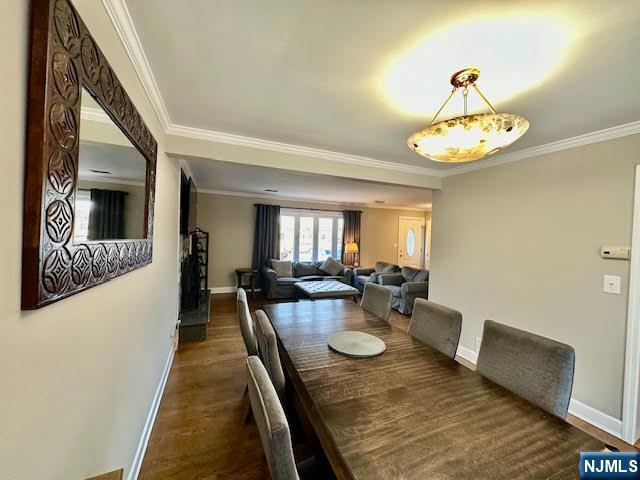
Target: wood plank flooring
{"type": "Point", "coordinates": [199, 432]}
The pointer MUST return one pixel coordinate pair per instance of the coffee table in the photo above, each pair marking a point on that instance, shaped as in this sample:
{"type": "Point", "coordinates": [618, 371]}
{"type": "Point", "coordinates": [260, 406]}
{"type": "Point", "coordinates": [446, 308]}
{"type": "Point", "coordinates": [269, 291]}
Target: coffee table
{"type": "Point", "coordinates": [326, 289]}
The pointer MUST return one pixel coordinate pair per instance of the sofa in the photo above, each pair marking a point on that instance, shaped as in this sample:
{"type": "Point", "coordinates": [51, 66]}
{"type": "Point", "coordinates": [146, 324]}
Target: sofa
{"type": "Point", "coordinates": [406, 286]}
{"type": "Point", "coordinates": [282, 287]}
{"type": "Point", "coordinates": [361, 276]}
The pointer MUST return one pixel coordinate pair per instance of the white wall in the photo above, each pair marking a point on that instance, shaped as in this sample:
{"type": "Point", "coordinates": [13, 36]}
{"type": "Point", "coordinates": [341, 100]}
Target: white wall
{"type": "Point", "coordinates": [77, 377]}
{"type": "Point", "coordinates": [519, 244]}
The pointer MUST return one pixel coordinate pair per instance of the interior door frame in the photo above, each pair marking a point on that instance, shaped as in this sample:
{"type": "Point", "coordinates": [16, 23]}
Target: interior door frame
{"type": "Point", "coordinates": [422, 244]}
{"type": "Point", "coordinates": [631, 389]}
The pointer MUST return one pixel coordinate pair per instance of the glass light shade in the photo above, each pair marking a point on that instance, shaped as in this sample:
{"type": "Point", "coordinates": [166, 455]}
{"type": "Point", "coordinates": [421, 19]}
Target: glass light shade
{"type": "Point", "coordinates": [351, 248]}
{"type": "Point", "coordinates": [463, 139]}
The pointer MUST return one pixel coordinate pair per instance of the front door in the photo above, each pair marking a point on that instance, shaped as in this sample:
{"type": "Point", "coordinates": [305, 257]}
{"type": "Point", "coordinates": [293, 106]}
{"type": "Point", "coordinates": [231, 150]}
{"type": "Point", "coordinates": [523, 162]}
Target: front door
{"type": "Point", "coordinates": [411, 242]}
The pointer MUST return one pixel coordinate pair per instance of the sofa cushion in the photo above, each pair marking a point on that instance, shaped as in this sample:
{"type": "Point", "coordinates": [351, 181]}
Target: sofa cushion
{"type": "Point", "coordinates": [362, 279]}
{"type": "Point", "coordinates": [395, 290]}
{"type": "Point", "coordinates": [332, 267]}
{"type": "Point", "coordinates": [384, 267]}
{"type": "Point", "coordinates": [287, 280]}
{"type": "Point", "coordinates": [310, 278]}
{"type": "Point", "coordinates": [304, 269]}
{"type": "Point", "coordinates": [335, 278]}
{"type": "Point", "coordinates": [284, 268]}
{"type": "Point", "coordinates": [415, 274]}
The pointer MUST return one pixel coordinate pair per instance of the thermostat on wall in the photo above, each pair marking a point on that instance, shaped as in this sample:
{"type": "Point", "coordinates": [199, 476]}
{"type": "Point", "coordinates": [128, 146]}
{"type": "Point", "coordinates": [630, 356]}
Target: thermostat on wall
{"type": "Point", "coordinates": [615, 252]}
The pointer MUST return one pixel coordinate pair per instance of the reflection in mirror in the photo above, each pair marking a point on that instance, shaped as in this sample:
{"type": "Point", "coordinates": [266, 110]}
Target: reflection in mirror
{"type": "Point", "coordinates": [111, 191]}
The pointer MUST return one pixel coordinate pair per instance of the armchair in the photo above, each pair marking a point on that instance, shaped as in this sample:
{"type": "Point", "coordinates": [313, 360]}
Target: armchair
{"type": "Point", "coordinates": [406, 286]}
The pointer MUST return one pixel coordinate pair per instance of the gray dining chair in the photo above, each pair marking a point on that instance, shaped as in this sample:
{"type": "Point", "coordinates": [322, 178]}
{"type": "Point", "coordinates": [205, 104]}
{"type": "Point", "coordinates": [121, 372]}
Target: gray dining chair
{"type": "Point", "coordinates": [436, 325]}
{"type": "Point", "coordinates": [376, 299]}
{"type": "Point", "coordinates": [536, 368]}
{"type": "Point", "coordinates": [246, 323]}
{"type": "Point", "coordinates": [274, 429]}
{"type": "Point", "coordinates": [268, 352]}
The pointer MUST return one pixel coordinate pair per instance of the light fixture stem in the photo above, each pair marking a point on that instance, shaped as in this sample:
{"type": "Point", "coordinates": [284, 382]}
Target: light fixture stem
{"type": "Point", "coordinates": [443, 105]}
{"type": "Point", "coordinates": [465, 92]}
{"type": "Point", "coordinates": [483, 98]}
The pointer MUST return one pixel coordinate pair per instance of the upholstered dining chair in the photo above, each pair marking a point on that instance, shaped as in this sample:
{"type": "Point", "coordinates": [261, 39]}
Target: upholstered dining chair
{"type": "Point", "coordinates": [268, 352]}
{"type": "Point", "coordinates": [377, 300]}
{"type": "Point", "coordinates": [536, 368]}
{"type": "Point", "coordinates": [246, 323]}
{"type": "Point", "coordinates": [436, 325]}
{"type": "Point", "coordinates": [274, 428]}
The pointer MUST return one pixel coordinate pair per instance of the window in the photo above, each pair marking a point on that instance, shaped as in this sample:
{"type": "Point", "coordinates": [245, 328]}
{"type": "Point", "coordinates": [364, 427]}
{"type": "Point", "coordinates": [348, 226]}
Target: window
{"type": "Point", "coordinates": [310, 236]}
{"type": "Point", "coordinates": [81, 214]}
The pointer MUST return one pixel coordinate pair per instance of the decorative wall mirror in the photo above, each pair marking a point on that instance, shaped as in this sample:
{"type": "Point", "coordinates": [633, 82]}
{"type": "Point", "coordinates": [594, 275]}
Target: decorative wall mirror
{"type": "Point", "coordinates": [90, 169]}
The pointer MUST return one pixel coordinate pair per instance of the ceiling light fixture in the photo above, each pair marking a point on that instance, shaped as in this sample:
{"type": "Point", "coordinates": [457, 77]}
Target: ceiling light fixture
{"type": "Point", "coordinates": [469, 137]}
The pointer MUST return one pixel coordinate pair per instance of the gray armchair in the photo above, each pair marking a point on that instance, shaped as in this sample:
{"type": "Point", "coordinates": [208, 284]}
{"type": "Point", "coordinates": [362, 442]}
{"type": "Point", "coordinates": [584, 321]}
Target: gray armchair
{"type": "Point", "coordinates": [362, 276]}
{"type": "Point", "coordinates": [406, 286]}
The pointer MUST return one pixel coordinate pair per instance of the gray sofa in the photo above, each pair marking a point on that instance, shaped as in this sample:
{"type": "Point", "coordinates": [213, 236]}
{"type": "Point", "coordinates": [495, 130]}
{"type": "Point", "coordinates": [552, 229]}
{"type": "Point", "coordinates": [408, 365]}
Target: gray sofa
{"type": "Point", "coordinates": [406, 286]}
{"type": "Point", "coordinates": [283, 287]}
{"type": "Point", "coordinates": [361, 276]}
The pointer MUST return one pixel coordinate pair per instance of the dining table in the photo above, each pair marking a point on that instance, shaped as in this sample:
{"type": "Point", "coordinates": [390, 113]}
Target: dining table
{"type": "Point", "coordinates": [413, 412]}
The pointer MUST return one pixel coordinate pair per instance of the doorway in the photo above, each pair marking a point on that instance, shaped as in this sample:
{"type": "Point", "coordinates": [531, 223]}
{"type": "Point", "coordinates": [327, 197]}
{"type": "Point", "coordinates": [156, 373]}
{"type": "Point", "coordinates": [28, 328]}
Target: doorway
{"type": "Point", "coordinates": [411, 242]}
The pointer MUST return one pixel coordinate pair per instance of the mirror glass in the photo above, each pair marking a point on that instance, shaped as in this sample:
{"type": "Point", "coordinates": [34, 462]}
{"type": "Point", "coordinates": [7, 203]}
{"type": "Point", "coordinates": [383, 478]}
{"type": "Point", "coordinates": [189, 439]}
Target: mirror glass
{"type": "Point", "coordinates": [111, 189]}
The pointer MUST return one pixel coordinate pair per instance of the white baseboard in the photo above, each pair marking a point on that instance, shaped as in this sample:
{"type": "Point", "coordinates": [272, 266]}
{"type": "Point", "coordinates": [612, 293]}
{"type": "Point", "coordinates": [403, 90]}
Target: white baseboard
{"type": "Point", "coordinates": [467, 354]}
{"type": "Point", "coordinates": [596, 418]}
{"type": "Point", "coordinates": [151, 417]}
{"type": "Point", "coordinates": [216, 290]}
{"type": "Point", "coordinates": [578, 409]}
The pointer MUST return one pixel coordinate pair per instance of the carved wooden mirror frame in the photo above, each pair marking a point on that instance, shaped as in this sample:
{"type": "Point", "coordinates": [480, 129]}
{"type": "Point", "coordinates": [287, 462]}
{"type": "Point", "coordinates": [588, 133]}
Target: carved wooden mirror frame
{"type": "Point", "coordinates": [64, 59]}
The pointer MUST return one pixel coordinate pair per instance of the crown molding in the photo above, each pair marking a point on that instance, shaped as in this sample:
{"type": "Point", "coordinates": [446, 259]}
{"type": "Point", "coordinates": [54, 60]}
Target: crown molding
{"type": "Point", "coordinates": [113, 181]}
{"type": "Point", "coordinates": [123, 24]}
{"type": "Point", "coordinates": [578, 141]}
{"type": "Point", "coordinates": [262, 144]}
{"type": "Point", "coordinates": [95, 115]}
{"type": "Point", "coordinates": [233, 193]}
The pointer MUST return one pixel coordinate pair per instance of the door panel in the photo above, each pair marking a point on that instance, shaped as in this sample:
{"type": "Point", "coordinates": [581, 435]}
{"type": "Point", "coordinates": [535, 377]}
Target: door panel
{"type": "Point", "coordinates": [411, 242]}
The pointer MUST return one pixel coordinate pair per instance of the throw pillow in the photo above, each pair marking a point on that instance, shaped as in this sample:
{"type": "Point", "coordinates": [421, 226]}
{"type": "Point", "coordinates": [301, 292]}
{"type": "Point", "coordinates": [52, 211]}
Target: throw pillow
{"type": "Point", "coordinates": [284, 268]}
{"type": "Point", "coordinates": [332, 267]}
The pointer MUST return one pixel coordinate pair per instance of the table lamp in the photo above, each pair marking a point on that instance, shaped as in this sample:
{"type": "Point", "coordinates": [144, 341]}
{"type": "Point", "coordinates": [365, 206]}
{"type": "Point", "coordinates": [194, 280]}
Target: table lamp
{"type": "Point", "coordinates": [352, 247]}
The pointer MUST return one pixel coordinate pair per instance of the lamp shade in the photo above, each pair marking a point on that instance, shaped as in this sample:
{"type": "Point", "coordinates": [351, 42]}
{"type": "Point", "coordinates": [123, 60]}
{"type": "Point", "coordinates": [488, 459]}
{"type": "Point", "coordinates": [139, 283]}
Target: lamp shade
{"type": "Point", "coordinates": [351, 248]}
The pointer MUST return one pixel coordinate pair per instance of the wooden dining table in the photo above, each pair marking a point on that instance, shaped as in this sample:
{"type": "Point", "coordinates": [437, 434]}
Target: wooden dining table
{"type": "Point", "coordinates": [412, 412]}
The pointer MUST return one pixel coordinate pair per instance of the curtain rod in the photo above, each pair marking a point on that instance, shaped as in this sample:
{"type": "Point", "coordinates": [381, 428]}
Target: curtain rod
{"type": "Point", "coordinates": [310, 209]}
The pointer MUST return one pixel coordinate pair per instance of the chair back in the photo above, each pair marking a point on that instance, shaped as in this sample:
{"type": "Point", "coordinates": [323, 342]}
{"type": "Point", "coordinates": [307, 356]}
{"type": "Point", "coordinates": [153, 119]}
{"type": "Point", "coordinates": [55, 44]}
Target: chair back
{"type": "Point", "coordinates": [272, 422]}
{"type": "Point", "coordinates": [536, 368]}
{"type": "Point", "coordinates": [376, 299]}
{"type": "Point", "coordinates": [436, 325]}
{"type": "Point", "coordinates": [268, 352]}
{"type": "Point", "coordinates": [246, 323]}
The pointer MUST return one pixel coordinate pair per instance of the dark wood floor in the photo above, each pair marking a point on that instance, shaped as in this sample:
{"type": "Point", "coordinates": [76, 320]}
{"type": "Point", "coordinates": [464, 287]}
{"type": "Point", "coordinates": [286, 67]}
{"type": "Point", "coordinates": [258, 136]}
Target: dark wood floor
{"type": "Point", "coordinates": [199, 432]}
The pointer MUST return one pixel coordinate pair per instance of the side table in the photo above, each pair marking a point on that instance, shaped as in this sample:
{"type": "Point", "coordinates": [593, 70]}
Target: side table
{"type": "Point", "coordinates": [247, 272]}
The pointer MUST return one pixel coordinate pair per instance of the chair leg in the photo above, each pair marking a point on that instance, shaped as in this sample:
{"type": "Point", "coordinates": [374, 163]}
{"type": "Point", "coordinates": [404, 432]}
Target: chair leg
{"type": "Point", "coordinates": [249, 415]}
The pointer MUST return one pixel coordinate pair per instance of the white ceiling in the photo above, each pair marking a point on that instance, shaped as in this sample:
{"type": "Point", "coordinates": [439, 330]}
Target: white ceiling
{"type": "Point", "coordinates": [253, 180]}
{"type": "Point", "coordinates": [359, 77]}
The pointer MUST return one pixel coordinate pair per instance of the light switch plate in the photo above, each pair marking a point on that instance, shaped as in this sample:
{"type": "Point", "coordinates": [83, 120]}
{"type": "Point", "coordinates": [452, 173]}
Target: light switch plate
{"type": "Point", "coordinates": [612, 284]}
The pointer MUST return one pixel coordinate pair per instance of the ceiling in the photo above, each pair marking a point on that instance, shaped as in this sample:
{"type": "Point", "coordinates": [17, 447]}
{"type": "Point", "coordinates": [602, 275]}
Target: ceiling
{"type": "Point", "coordinates": [359, 77]}
{"type": "Point", "coordinates": [124, 163]}
{"type": "Point", "coordinates": [253, 180]}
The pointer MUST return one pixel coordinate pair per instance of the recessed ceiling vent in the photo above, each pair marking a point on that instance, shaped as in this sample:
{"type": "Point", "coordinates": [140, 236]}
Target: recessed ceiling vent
{"type": "Point", "coordinates": [103, 172]}
{"type": "Point", "coordinates": [270, 190]}
{"type": "Point", "coordinates": [379, 201]}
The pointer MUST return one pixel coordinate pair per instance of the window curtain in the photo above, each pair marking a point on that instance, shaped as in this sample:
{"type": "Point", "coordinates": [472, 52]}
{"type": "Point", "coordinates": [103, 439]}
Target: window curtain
{"type": "Point", "coordinates": [266, 239]}
{"type": "Point", "coordinates": [351, 234]}
{"type": "Point", "coordinates": [106, 218]}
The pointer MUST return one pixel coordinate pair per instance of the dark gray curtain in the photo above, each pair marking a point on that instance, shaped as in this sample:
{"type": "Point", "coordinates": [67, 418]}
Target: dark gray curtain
{"type": "Point", "coordinates": [106, 219]}
{"type": "Point", "coordinates": [350, 234]}
{"type": "Point", "coordinates": [266, 239]}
